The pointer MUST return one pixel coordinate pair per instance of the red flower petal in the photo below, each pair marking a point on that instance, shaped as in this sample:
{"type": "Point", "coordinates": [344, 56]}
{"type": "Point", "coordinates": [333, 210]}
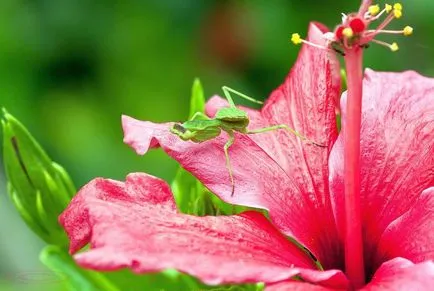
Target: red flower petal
{"type": "Point", "coordinates": [397, 151]}
{"type": "Point", "coordinates": [304, 102]}
{"type": "Point", "coordinates": [401, 274]}
{"type": "Point", "coordinates": [135, 224]}
{"type": "Point", "coordinates": [276, 170]}
{"type": "Point", "coordinates": [257, 176]}
{"type": "Point", "coordinates": [412, 235]}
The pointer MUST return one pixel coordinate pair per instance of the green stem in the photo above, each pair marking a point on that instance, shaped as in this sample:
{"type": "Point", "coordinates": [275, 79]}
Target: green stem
{"type": "Point", "coordinates": [102, 282]}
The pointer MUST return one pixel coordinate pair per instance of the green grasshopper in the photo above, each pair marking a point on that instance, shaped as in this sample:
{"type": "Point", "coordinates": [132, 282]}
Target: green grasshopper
{"type": "Point", "coordinates": [230, 119]}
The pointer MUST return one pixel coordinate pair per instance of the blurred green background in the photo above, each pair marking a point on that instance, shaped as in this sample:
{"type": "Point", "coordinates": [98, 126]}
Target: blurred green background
{"type": "Point", "coordinates": [70, 68]}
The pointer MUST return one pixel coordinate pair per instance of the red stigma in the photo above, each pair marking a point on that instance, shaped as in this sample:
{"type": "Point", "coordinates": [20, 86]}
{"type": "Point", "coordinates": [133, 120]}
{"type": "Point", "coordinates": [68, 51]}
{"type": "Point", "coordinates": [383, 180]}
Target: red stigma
{"type": "Point", "coordinates": [357, 25]}
{"type": "Point", "coordinates": [338, 32]}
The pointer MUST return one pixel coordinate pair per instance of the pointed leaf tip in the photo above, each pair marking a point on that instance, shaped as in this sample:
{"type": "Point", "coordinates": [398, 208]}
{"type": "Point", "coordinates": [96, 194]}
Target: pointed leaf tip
{"type": "Point", "coordinates": [4, 111]}
{"type": "Point", "coordinates": [38, 189]}
{"type": "Point", "coordinates": [197, 100]}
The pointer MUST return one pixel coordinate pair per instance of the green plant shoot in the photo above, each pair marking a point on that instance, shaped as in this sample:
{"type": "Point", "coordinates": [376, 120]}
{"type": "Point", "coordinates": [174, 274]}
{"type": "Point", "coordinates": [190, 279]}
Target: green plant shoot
{"type": "Point", "coordinates": [230, 119]}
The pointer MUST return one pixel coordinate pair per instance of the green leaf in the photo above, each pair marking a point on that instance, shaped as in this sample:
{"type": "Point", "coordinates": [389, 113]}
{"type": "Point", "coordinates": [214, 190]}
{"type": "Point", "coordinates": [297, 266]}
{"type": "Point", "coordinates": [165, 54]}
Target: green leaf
{"type": "Point", "coordinates": [187, 191]}
{"type": "Point", "coordinates": [76, 278]}
{"type": "Point", "coordinates": [197, 100]}
{"type": "Point", "coordinates": [344, 80]}
{"type": "Point", "coordinates": [344, 88]}
{"type": "Point", "coordinates": [39, 188]}
{"type": "Point", "coordinates": [168, 280]}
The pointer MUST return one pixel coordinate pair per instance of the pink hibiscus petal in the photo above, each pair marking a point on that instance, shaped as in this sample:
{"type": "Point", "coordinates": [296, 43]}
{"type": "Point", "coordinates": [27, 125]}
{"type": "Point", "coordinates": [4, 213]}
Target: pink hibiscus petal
{"type": "Point", "coordinates": [135, 224]}
{"type": "Point", "coordinates": [276, 170]}
{"type": "Point", "coordinates": [257, 176]}
{"type": "Point", "coordinates": [412, 235]}
{"type": "Point", "coordinates": [397, 151]}
{"type": "Point", "coordinates": [401, 274]}
{"type": "Point", "coordinates": [306, 102]}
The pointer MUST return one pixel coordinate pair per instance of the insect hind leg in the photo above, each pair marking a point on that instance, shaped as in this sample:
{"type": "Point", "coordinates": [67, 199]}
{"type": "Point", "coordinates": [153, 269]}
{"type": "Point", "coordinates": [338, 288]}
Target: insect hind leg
{"type": "Point", "coordinates": [284, 126]}
{"type": "Point", "coordinates": [228, 162]}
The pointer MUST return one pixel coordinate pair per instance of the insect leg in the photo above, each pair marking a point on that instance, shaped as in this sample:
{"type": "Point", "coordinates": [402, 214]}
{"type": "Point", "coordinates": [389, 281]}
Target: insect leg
{"type": "Point", "coordinates": [283, 126]}
{"type": "Point", "coordinates": [199, 116]}
{"type": "Point", "coordinates": [227, 91]}
{"type": "Point", "coordinates": [228, 162]}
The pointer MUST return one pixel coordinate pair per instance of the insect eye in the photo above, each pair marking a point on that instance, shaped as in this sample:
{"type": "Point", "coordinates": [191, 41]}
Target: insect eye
{"type": "Point", "coordinates": [179, 128]}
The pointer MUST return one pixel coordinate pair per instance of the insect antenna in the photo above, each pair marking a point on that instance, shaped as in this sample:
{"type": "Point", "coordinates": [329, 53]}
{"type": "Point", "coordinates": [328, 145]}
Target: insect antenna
{"type": "Point", "coordinates": [227, 91]}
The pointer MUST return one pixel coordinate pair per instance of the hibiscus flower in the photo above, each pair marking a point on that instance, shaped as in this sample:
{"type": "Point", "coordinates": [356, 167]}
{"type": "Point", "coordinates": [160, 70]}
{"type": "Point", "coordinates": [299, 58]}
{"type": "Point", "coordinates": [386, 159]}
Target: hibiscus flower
{"type": "Point", "coordinates": [135, 224]}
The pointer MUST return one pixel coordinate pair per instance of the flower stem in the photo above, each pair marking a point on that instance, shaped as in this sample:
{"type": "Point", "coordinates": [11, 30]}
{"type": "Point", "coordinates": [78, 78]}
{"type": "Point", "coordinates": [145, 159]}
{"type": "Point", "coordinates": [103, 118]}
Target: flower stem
{"type": "Point", "coordinates": [354, 265]}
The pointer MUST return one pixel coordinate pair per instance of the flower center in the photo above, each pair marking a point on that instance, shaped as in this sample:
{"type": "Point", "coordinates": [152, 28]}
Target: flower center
{"type": "Point", "coordinates": [349, 39]}
{"type": "Point", "coordinates": [354, 30]}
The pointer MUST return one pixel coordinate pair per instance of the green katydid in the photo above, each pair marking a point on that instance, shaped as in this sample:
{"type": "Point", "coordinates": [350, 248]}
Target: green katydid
{"type": "Point", "coordinates": [230, 119]}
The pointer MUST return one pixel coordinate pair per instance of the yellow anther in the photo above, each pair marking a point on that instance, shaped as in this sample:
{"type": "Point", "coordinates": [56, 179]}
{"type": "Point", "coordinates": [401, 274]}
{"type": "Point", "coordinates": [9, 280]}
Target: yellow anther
{"type": "Point", "coordinates": [388, 8]}
{"type": "Point", "coordinates": [397, 13]}
{"type": "Point", "coordinates": [408, 30]}
{"type": "Point", "coordinates": [374, 9]}
{"type": "Point", "coordinates": [296, 39]}
{"type": "Point", "coordinates": [397, 6]}
{"type": "Point", "coordinates": [394, 47]}
{"type": "Point", "coordinates": [347, 32]}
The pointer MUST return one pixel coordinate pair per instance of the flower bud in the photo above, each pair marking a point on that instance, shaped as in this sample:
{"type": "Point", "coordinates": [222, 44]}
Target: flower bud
{"type": "Point", "coordinates": [39, 188]}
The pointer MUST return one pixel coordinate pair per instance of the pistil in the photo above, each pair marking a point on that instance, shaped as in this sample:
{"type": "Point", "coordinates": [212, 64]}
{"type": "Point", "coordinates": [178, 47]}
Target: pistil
{"type": "Point", "coordinates": [354, 265]}
{"type": "Point", "coordinates": [349, 39]}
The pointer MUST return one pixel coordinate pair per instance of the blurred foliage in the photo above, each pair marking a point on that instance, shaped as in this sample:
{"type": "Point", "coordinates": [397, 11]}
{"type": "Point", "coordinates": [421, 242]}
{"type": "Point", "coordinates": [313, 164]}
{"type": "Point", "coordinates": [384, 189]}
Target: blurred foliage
{"type": "Point", "coordinates": [70, 68]}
